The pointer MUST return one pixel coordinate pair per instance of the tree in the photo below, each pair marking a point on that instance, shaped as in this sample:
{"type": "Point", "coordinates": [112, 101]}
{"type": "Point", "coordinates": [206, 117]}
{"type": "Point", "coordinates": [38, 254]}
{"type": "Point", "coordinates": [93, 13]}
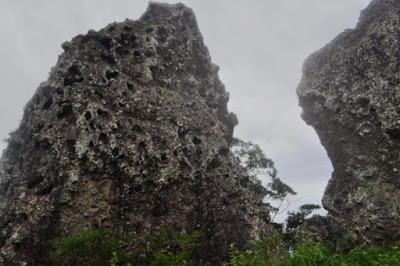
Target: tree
{"type": "Point", "coordinates": [257, 164]}
{"type": "Point", "coordinates": [295, 219]}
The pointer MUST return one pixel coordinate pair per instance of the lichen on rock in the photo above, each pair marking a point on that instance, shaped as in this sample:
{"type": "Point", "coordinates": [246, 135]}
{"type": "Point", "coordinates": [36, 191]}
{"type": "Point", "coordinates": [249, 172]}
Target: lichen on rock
{"type": "Point", "coordinates": [350, 94]}
{"type": "Point", "coordinates": [130, 132]}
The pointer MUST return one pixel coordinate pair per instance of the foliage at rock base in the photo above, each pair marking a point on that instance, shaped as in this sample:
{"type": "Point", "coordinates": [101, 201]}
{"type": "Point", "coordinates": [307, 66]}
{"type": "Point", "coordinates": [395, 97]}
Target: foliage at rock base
{"type": "Point", "coordinates": [102, 247]}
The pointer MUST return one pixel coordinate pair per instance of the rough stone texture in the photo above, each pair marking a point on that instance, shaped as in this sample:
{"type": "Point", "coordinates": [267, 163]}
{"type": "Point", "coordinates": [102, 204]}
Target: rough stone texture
{"type": "Point", "coordinates": [350, 94]}
{"type": "Point", "coordinates": [130, 132]}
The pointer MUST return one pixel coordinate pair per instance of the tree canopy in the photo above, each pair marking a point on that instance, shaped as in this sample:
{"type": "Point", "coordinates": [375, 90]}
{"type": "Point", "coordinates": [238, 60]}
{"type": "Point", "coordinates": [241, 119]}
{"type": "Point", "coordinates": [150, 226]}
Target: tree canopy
{"type": "Point", "coordinates": [257, 164]}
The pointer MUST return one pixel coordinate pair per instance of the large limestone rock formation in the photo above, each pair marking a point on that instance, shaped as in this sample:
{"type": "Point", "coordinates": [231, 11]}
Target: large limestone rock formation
{"type": "Point", "coordinates": [350, 94]}
{"type": "Point", "coordinates": [130, 132]}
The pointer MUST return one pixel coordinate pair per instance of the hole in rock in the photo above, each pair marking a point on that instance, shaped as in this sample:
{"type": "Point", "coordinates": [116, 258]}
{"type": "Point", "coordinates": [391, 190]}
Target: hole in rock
{"type": "Point", "coordinates": [121, 51]}
{"type": "Point", "coordinates": [362, 101]}
{"type": "Point", "coordinates": [196, 140]}
{"type": "Point", "coordinates": [87, 38]}
{"type": "Point", "coordinates": [24, 216]}
{"type": "Point", "coordinates": [182, 135]}
{"type": "Point", "coordinates": [123, 39]}
{"type": "Point", "coordinates": [59, 91]}
{"type": "Point", "coordinates": [161, 31]}
{"type": "Point", "coordinates": [66, 110]}
{"type": "Point", "coordinates": [48, 103]}
{"type": "Point", "coordinates": [164, 158]}
{"type": "Point", "coordinates": [160, 207]}
{"type": "Point", "coordinates": [6, 223]}
{"type": "Point", "coordinates": [104, 138]}
{"type": "Point", "coordinates": [142, 146]}
{"type": "Point", "coordinates": [108, 59]}
{"type": "Point", "coordinates": [102, 113]}
{"type": "Point", "coordinates": [112, 74]}
{"type": "Point", "coordinates": [132, 40]}
{"type": "Point", "coordinates": [137, 128]}
{"type": "Point", "coordinates": [88, 115]}
{"type": "Point", "coordinates": [71, 147]}
{"type": "Point", "coordinates": [393, 133]}
{"type": "Point", "coordinates": [73, 76]}
{"type": "Point", "coordinates": [106, 42]}
{"type": "Point", "coordinates": [17, 247]}
{"type": "Point", "coordinates": [35, 180]}
{"type": "Point", "coordinates": [215, 163]}
{"type": "Point", "coordinates": [84, 159]}
{"type": "Point", "coordinates": [42, 144]}
{"type": "Point", "coordinates": [44, 190]}
{"type": "Point", "coordinates": [39, 127]}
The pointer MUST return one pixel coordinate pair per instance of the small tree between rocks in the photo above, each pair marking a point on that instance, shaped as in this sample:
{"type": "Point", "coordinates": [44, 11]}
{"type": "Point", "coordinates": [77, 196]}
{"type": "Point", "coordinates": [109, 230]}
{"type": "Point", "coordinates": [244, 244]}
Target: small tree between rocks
{"type": "Point", "coordinates": [295, 219]}
{"type": "Point", "coordinates": [257, 165]}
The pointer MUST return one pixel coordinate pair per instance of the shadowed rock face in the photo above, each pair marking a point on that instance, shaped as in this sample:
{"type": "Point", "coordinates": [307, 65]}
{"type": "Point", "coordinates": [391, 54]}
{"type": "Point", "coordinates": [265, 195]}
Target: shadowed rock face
{"type": "Point", "coordinates": [350, 94]}
{"type": "Point", "coordinates": [131, 132]}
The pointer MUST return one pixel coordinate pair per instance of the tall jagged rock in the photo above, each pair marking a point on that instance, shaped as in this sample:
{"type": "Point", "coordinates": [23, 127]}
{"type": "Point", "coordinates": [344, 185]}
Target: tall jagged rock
{"type": "Point", "coordinates": [131, 132]}
{"type": "Point", "coordinates": [350, 94]}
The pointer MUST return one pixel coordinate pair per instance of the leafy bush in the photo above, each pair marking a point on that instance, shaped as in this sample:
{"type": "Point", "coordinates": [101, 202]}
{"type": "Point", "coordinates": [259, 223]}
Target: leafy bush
{"type": "Point", "coordinates": [168, 248]}
{"type": "Point", "coordinates": [295, 219]}
{"type": "Point", "coordinates": [102, 247]}
{"type": "Point", "coordinates": [313, 254]}
{"type": "Point", "coordinates": [364, 255]}
{"type": "Point", "coordinates": [90, 248]}
{"type": "Point", "coordinates": [266, 252]}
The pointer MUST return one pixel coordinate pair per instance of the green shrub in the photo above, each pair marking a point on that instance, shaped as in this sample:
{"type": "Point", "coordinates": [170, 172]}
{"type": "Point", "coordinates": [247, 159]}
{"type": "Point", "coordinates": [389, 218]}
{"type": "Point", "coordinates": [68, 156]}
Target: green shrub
{"type": "Point", "coordinates": [269, 251]}
{"type": "Point", "coordinates": [102, 247]}
{"type": "Point", "coordinates": [313, 254]}
{"type": "Point", "coordinates": [309, 254]}
{"type": "Point", "coordinates": [169, 248]}
{"type": "Point", "coordinates": [364, 255]}
{"type": "Point", "coordinates": [90, 248]}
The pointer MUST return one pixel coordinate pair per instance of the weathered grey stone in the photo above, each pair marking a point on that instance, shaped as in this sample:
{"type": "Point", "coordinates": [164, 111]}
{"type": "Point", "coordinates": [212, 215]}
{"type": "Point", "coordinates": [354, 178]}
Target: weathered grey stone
{"type": "Point", "coordinates": [130, 132]}
{"type": "Point", "coordinates": [350, 94]}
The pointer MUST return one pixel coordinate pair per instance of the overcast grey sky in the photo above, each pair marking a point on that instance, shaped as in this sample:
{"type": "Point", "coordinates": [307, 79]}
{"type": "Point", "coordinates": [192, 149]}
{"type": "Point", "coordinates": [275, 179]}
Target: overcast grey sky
{"type": "Point", "coordinates": [260, 46]}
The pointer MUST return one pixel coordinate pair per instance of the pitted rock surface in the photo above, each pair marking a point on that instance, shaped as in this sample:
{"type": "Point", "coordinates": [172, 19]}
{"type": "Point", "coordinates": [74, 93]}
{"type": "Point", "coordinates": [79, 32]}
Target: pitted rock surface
{"type": "Point", "coordinates": [350, 94]}
{"type": "Point", "coordinates": [131, 132]}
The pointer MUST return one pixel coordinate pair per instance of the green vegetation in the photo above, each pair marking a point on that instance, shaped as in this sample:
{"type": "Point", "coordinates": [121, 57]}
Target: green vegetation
{"type": "Point", "coordinates": [169, 248]}
{"type": "Point", "coordinates": [91, 248]}
{"type": "Point", "coordinates": [295, 219]}
{"type": "Point", "coordinates": [315, 254]}
{"type": "Point", "coordinates": [101, 247]}
{"type": "Point", "coordinates": [258, 165]}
